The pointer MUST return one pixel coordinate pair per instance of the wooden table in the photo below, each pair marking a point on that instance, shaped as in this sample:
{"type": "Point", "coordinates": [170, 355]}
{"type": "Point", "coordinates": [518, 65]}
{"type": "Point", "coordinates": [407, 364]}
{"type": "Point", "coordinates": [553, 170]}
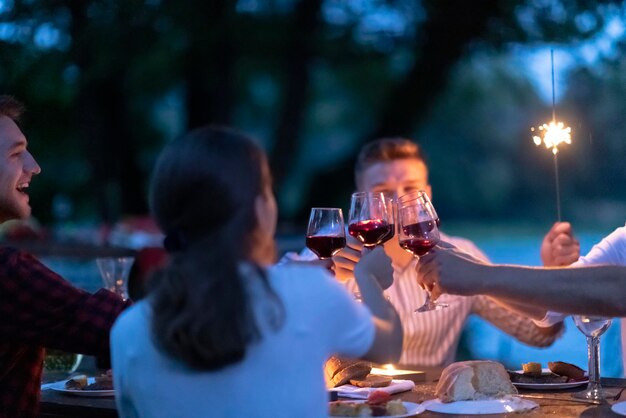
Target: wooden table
{"type": "Point", "coordinates": [58, 405]}
{"type": "Point", "coordinates": [556, 408]}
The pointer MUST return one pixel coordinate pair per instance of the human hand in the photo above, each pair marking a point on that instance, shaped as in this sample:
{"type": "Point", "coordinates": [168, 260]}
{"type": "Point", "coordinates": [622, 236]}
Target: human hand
{"type": "Point", "coordinates": [346, 259]}
{"type": "Point", "coordinates": [447, 269]}
{"type": "Point", "coordinates": [375, 263]}
{"type": "Point", "coordinates": [559, 247]}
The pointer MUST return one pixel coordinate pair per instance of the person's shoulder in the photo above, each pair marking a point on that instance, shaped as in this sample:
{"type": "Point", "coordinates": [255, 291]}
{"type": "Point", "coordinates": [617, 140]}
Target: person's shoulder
{"type": "Point", "coordinates": [12, 253]}
{"type": "Point", "coordinates": [619, 234]}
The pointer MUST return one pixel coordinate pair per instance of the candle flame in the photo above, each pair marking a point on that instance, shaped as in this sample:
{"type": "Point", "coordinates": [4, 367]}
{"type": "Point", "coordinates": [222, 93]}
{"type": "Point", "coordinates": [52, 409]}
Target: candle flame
{"type": "Point", "coordinates": [554, 134]}
{"type": "Point", "coordinates": [388, 367]}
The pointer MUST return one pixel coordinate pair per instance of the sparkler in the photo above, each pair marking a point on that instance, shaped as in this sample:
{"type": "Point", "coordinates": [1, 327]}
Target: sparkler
{"type": "Point", "coordinates": [554, 134]}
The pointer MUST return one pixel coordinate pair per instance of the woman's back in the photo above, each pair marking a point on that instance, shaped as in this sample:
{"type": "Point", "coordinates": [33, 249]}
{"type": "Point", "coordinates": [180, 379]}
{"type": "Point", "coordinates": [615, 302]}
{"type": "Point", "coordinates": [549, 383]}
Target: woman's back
{"type": "Point", "coordinates": [280, 376]}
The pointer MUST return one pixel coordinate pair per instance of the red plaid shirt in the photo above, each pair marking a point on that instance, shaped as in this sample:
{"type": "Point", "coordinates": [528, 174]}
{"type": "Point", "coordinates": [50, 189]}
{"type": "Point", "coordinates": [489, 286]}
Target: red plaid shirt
{"type": "Point", "coordinates": [40, 309]}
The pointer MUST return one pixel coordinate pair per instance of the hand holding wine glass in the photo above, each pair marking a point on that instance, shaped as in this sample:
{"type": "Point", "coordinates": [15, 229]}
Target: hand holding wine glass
{"type": "Point", "coordinates": [418, 233]}
{"type": "Point", "coordinates": [325, 233]}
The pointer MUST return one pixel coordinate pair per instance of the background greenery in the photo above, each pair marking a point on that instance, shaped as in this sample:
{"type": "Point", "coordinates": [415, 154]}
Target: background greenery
{"type": "Point", "coordinates": [108, 82]}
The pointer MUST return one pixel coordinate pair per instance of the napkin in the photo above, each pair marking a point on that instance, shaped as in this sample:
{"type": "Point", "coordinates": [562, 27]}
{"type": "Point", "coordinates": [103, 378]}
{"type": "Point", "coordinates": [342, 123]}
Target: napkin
{"type": "Point", "coordinates": [355, 392]}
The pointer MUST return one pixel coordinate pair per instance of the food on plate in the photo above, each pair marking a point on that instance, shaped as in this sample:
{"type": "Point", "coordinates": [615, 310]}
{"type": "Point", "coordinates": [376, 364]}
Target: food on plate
{"type": "Point", "coordinates": [566, 369]}
{"type": "Point", "coordinates": [532, 369]}
{"type": "Point", "coordinates": [81, 382]}
{"type": "Point", "coordinates": [77, 382]}
{"type": "Point", "coordinates": [472, 380]}
{"type": "Point", "coordinates": [544, 378]}
{"type": "Point", "coordinates": [560, 372]}
{"type": "Point", "coordinates": [378, 404]}
{"type": "Point", "coordinates": [349, 409]}
{"type": "Point", "coordinates": [372, 381]}
{"type": "Point", "coordinates": [340, 370]}
{"type": "Point", "coordinates": [103, 382]}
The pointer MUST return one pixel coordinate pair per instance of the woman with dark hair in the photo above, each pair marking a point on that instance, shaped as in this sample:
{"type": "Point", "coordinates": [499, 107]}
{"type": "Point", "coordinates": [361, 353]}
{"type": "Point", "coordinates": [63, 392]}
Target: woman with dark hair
{"type": "Point", "coordinates": [223, 333]}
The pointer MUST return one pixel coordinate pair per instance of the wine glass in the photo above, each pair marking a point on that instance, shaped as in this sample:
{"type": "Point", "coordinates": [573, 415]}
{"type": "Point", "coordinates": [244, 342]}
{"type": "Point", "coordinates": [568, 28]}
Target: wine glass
{"type": "Point", "coordinates": [593, 327]}
{"type": "Point", "coordinates": [421, 196]}
{"type": "Point", "coordinates": [114, 272]}
{"type": "Point", "coordinates": [369, 220]}
{"type": "Point", "coordinates": [325, 234]}
{"type": "Point", "coordinates": [418, 233]}
{"type": "Point", "coordinates": [392, 213]}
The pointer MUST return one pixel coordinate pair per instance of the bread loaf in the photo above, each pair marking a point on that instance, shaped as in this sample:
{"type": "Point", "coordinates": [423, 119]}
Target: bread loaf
{"type": "Point", "coordinates": [566, 369]}
{"type": "Point", "coordinates": [339, 370]}
{"type": "Point", "coordinates": [470, 380]}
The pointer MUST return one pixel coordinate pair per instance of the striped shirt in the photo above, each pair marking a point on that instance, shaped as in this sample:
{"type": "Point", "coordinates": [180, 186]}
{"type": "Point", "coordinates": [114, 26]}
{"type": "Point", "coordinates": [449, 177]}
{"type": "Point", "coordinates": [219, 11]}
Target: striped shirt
{"type": "Point", "coordinates": [431, 338]}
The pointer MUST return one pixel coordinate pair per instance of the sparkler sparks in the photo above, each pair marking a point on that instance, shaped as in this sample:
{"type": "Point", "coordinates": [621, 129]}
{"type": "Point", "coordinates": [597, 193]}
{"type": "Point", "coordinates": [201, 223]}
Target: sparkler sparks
{"type": "Point", "coordinates": [554, 134]}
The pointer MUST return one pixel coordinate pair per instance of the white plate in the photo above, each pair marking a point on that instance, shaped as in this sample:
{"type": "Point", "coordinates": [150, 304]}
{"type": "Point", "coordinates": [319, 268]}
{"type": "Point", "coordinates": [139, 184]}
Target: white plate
{"type": "Point", "coordinates": [60, 387]}
{"type": "Point", "coordinates": [411, 408]}
{"type": "Point", "coordinates": [549, 386]}
{"type": "Point", "coordinates": [619, 408]}
{"type": "Point", "coordinates": [487, 406]}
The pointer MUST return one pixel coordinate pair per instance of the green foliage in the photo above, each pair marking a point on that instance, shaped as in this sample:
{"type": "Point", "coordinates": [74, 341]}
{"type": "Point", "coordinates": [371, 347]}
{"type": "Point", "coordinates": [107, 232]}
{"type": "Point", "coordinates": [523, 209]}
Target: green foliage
{"type": "Point", "coordinates": [107, 82]}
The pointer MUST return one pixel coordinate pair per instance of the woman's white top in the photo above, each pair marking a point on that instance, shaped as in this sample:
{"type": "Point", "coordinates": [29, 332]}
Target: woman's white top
{"type": "Point", "coordinates": [280, 376]}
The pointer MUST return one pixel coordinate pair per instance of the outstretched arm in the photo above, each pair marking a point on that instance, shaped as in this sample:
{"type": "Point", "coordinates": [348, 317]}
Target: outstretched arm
{"type": "Point", "coordinates": [597, 290]}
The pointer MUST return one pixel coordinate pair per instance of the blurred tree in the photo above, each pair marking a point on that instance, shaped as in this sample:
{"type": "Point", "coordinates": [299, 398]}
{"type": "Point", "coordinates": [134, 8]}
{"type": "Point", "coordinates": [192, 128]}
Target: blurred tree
{"type": "Point", "coordinates": [314, 78]}
{"type": "Point", "coordinates": [451, 32]}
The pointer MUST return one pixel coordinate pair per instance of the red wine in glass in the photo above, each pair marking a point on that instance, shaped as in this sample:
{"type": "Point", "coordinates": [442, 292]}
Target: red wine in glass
{"type": "Point", "coordinates": [391, 234]}
{"type": "Point", "coordinates": [417, 246]}
{"type": "Point", "coordinates": [370, 232]}
{"type": "Point", "coordinates": [325, 246]}
{"type": "Point", "coordinates": [419, 228]}
{"type": "Point", "coordinates": [325, 234]}
{"type": "Point", "coordinates": [418, 234]}
{"type": "Point", "coordinates": [370, 220]}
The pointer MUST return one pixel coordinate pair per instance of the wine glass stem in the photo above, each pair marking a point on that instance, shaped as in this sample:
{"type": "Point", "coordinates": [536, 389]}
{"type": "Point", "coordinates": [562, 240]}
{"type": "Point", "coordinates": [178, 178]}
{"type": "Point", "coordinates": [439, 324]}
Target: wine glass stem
{"type": "Point", "coordinates": [593, 348]}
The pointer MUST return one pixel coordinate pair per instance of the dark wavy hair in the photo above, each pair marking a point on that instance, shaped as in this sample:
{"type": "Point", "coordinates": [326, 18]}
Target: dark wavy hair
{"type": "Point", "coordinates": [202, 195]}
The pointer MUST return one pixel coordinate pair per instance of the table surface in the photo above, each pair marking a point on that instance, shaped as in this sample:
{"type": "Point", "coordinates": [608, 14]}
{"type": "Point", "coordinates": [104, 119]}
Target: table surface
{"type": "Point", "coordinates": [557, 404]}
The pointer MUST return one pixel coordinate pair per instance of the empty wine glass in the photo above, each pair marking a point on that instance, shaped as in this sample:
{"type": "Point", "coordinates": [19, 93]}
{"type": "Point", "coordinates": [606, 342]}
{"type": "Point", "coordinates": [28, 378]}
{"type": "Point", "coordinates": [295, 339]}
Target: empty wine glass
{"type": "Point", "coordinates": [418, 233]}
{"type": "Point", "coordinates": [369, 220]}
{"type": "Point", "coordinates": [325, 234]}
{"type": "Point", "coordinates": [114, 272]}
{"type": "Point", "coordinates": [593, 327]}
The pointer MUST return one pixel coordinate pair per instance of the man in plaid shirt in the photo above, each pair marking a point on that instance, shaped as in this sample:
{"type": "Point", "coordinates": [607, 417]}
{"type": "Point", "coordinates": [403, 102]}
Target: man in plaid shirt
{"type": "Point", "coordinates": [38, 308]}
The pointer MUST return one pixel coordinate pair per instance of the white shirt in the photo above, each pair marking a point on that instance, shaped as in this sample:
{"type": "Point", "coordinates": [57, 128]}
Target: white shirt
{"type": "Point", "coordinates": [611, 250]}
{"type": "Point", "coordinates": [280, 376]}
{"type": "Point", "coordinates": [430, 338]}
